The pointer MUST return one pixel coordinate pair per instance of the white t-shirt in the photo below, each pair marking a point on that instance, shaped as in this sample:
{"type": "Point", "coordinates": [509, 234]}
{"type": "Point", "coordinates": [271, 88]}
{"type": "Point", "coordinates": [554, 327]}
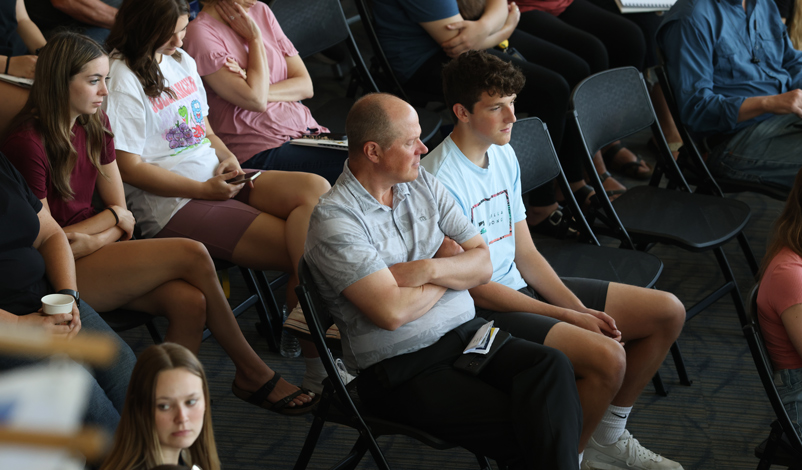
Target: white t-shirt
{"type": "Point", "coordinates": [490, 197]}
{"type": "Point", "coordinates": [166, 132]}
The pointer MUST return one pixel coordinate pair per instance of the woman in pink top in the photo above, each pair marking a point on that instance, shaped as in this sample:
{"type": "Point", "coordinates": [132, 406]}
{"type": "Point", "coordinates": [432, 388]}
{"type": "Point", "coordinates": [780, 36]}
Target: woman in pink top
{"type": "Point", "coordinates": [257, 111]}
{"type": "Point", "coordinates": [779, 303]}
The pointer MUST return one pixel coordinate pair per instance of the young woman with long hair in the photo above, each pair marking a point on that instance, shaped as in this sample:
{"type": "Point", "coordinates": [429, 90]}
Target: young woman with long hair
{"type": "Point", "coordinates": [779, 303]}
{"type": "Point", "coordinates": [175, 166]}
{"type": "Point", "coordinates": [61, 142]}
{"type": "Point", "coordinates": [167, 417]}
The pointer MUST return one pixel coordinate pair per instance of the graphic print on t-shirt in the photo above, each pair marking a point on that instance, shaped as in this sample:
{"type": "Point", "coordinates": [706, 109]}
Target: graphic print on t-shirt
{"type": "Point", "coordinates": [181, 118]}
{"type": "Point", "coordinates": [493, 217]}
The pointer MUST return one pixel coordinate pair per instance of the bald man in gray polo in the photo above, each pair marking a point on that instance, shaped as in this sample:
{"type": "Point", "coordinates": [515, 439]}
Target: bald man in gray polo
{"type": "Point", "coordinates": [393, 256]}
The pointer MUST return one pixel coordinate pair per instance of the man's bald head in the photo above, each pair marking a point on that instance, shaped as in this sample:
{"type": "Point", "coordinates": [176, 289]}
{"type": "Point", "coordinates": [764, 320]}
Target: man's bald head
{"type": "Point", "coordinates": [370, 120]}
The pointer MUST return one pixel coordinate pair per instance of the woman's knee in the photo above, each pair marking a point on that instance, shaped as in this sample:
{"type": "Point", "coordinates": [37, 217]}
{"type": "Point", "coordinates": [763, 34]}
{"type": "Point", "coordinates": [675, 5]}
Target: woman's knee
{"type": "Point", "coordinates": [185, 304]}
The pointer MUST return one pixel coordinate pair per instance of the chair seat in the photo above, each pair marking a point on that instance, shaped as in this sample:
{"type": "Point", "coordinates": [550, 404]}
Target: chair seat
{"type": "Point", "coordinates": [695, 222]}
{"type": "Point", "coordinates": [571, 259]}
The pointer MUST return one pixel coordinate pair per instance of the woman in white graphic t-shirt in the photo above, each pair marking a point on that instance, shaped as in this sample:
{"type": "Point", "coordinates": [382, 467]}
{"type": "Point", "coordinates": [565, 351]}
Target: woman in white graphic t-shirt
{"type": "Point", "coordinates": [177, 171]}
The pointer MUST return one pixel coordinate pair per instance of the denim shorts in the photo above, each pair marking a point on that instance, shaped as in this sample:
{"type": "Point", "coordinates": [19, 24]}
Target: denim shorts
{"type": "Point", "coordinates": [789, 385]}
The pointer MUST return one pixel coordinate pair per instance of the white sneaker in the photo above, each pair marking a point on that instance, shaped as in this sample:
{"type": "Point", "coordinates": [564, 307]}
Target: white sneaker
{"type": "Point", "coordinates": [624, 453]}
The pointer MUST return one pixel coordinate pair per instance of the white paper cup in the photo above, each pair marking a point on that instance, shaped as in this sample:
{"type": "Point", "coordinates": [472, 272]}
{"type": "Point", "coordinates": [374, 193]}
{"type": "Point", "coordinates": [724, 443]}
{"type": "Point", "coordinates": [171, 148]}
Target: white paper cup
{"type": "Point", "coordinates": [54, 304]}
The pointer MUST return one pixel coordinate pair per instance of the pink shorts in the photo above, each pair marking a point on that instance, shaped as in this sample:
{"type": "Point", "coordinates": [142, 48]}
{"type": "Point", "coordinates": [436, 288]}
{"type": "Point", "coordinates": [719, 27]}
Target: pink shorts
{"type": "Point", "coordinates": [217, 224]}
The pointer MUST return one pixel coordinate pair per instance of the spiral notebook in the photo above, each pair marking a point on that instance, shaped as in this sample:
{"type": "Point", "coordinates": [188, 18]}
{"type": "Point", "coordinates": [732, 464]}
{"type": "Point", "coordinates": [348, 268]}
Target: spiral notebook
{"type": "Point", "coordinates": [643, 6]}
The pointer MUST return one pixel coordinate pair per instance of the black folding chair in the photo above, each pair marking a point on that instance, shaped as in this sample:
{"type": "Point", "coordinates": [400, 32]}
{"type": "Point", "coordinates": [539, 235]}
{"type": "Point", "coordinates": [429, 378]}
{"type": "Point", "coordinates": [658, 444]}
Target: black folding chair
{"type": "Point", "coordinates": [614, 104]}
{"type": "Point", "coordinates": [693, 163]}
{"type": "Point", "coordinates": [339, 403]}
{"type": "Point", "coordinates": [540, 165]}
{"type": "Point", "coordinates": [784, 445]}
{"type": "Point", "coordinates": [316, 25]}
{"type": "Point", "coordinates": [382, 69]}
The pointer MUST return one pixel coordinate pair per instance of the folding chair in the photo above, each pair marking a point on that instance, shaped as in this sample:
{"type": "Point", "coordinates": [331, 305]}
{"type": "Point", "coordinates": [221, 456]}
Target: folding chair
{"type": "Point", "coordinates": [540, 165]}
{"type": "Point", "coordinates": [339, 403]}
{"type": "Point", "coordinates": [693, 164]}
{"type": "Point", "coordinates": [614, 104]}
{"type": "Point", "coordinates": [380, 66]}
{"type": "Point", "coordinates": [784, 445]}
{"type": "Point", "coordinates": [318, 25]}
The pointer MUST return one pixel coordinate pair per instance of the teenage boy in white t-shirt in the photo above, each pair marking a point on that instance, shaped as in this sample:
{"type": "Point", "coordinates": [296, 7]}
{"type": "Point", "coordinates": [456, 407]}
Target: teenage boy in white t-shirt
{"type": "Point", "coordinates": [586, 319]}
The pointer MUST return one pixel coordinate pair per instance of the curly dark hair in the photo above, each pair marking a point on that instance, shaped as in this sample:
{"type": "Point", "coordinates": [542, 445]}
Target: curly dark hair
{"type": "Point", "coordinates": [466, 77]}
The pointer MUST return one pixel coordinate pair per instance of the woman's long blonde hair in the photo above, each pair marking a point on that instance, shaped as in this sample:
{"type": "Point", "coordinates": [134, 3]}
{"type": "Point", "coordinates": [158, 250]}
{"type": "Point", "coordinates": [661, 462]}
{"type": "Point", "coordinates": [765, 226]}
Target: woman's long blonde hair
{"type": "Point", "coordinates": [136, 444]}
{"type": "Point", "coordinates": [788, 227]}
{"type": "Point", "coordinates": [48, 107]}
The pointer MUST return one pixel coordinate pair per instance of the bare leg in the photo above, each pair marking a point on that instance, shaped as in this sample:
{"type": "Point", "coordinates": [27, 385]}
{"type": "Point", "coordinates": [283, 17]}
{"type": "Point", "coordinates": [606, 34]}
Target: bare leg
{"type": "Point", "coordinates": [650, 321]}
{"type": "Point", "coordinates": [599, 364]}
{"type": "Point", "coordinates": [664, 117]}
{"type": "Point", "coordinates": [289, 198]}
{"type": "Point", "coordinates": [124, 275]}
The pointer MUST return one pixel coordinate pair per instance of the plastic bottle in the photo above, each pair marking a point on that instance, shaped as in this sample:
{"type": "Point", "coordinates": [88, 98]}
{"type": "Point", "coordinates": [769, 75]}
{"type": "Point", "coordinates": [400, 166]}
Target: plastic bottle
{"type": "Point", "coordinates": [290, 347]}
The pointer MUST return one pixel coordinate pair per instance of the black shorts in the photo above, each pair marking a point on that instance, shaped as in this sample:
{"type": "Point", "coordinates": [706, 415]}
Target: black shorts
{"type": "Point", "coordinates": [532, 327]}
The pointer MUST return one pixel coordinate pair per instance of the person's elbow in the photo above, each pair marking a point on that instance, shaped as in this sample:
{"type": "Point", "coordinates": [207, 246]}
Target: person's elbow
{"type": "Point", "coordinates": [254, 103]}
{"type": "Point", "coordinates": [390, 316]}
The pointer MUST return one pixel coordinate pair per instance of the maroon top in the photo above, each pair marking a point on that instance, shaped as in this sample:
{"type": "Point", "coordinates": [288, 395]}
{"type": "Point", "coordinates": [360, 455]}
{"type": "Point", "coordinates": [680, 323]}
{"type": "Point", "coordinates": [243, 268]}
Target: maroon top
{"type": "Point", "coordinates": [26, 151]}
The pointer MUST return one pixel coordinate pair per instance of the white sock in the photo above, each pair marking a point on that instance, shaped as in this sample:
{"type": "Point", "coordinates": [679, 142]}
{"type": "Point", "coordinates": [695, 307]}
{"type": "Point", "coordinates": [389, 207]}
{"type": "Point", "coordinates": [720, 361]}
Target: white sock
{"type": "Point", "coordinates": [612, 424]}
{"type": "Point", "coordinates": [315, 373]}
{"type": "Point", "coordinates": [581, 455]}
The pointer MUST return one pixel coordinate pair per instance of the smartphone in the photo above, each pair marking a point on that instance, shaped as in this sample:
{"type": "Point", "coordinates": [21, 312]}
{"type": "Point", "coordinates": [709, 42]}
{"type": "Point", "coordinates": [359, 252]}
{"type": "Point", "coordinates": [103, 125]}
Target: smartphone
{"type": "Point", "coordinates": [239, 179]}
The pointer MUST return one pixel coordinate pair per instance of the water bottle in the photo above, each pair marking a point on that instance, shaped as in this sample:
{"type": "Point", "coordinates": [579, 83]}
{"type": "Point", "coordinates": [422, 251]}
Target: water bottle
{"type": "Point", "coordinates": [290, 347]}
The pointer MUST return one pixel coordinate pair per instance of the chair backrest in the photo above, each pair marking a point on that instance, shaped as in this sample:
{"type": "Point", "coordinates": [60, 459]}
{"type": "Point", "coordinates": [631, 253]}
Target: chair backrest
{"type": "Point", "coordinates": [316, 25]}
{"type": "Point", "coordinates": [614, 104]}
{"type": "Point", "coordinates": [765, 370]}
{"type": "Point", "coordinates": [539, 164]}
{"type": "Point", "coordinates": [366, 15]}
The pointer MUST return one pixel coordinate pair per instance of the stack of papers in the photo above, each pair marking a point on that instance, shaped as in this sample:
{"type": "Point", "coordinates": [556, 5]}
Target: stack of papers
{"type": "Point", "coordinates": [644, 6]}
{"type": "Point", "coordinates": [482, 340]}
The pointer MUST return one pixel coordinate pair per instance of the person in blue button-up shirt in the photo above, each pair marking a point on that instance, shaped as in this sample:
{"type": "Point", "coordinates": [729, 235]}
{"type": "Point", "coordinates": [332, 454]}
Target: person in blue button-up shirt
{"type": "Point", "coordinates": [737, 79]}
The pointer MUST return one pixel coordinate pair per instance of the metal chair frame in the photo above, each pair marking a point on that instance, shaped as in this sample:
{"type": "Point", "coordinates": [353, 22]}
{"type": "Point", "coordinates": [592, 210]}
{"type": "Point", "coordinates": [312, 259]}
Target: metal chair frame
{"type": "Point", "coordinates": [338, 403]}
{"type": "Point", "coordinates": [784, 444]}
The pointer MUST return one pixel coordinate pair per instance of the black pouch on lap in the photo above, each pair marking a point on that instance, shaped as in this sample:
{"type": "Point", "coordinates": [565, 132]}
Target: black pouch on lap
{"type": "Point", "coordinates": [473, 363]}
{"type": "Point", "coordinates": [396, 370]}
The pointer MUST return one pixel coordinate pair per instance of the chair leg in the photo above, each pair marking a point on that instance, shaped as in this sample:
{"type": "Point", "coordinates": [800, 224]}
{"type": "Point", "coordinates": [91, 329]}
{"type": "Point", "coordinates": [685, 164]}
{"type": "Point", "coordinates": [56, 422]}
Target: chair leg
{"type": "Point", "coordinates": [484, 464]}
{"type": "Point", "coordinates": [748, 253]}
{"type": "Point", "coordinates": [726, 270]}
{"type": "Point", "coordinates": [680, 364]}
{"type": "Point", "coordinates": [771, 446]}
{"type": "Point", "coordinates": [252, 281]}
{"type": "Point", "coordinates": [272, 323]}
{"type": "Point", "coordinates": [314, 431]}
{"type": "Point", "coordinates": [659, 388]}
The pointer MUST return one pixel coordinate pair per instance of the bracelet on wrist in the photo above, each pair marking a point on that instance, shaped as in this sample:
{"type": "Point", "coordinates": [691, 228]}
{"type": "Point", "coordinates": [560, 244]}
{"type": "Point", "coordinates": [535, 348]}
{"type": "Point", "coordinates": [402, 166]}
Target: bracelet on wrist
{"type": "Point", "coordinates": [116, 219]}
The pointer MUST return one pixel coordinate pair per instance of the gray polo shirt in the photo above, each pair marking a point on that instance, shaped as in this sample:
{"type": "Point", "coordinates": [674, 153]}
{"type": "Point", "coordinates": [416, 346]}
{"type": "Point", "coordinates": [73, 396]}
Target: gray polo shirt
{"type": "Point", "coordinates": [351, 235]}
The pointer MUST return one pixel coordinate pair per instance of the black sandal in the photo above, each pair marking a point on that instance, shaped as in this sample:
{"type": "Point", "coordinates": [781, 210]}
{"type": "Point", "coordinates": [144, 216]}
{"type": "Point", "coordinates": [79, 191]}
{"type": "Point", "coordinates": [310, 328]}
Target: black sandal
{"type": "Point", "coordinates": [556, 225]}
{"type": "Point", "coordinates": [259, 398]}
{"type": "Point", "coordinates": [610, 192]}
{"type": "Point", "coordinates": [630, 169]}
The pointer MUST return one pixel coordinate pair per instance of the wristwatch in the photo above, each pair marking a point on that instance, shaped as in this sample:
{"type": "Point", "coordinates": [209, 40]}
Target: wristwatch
{"type": "Point", "coordinates": [74, 294]}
